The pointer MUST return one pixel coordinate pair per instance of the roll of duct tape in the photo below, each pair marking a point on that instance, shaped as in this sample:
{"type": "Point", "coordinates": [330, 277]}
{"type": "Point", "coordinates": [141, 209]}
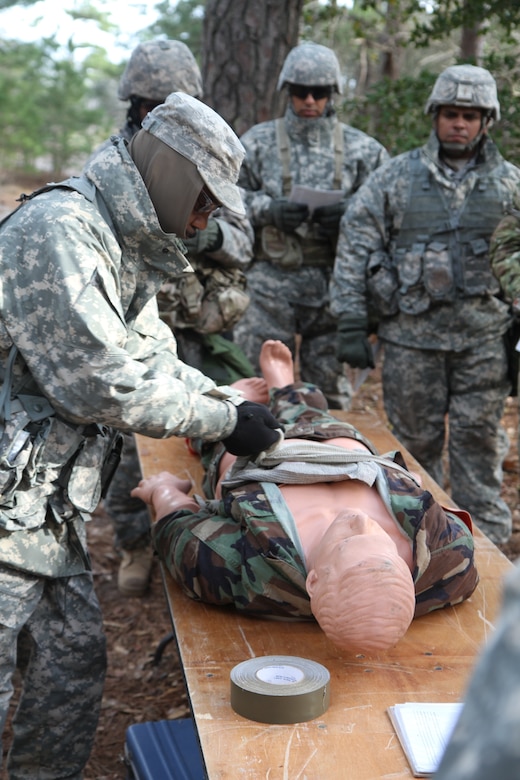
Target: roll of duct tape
{"type": "Point", "coordinates": [280, 689]}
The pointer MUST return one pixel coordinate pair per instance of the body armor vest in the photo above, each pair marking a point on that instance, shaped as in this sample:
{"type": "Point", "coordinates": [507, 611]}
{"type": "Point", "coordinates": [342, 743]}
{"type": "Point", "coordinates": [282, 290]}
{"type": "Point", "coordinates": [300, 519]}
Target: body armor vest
{"type": "Point", "coordinates": [441, 254]}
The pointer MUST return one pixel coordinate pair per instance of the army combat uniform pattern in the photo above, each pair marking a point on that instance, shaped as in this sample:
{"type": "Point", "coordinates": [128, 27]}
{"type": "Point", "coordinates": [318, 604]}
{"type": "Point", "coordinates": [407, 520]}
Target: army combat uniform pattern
{"type": "Point", "coordinates": [413, 246]}
{"type": "Point", "coordinates": [79, 320]}
{"type": "Point", "coordinates": [236, 551]}
{"type": "Point", "coordinates": [289, 278]}
{"type": "Point", "coordinates": [505, 262]}
{"type": "Point", "coordinates": [484, 742]}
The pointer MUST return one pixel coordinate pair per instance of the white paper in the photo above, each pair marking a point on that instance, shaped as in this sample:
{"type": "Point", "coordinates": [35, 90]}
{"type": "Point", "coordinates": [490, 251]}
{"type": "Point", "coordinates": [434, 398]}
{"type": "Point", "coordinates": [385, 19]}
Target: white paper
{"type": "Point", "coordinates": [314, 197]}
{"type": "Point", "coordinates": [424, 731]}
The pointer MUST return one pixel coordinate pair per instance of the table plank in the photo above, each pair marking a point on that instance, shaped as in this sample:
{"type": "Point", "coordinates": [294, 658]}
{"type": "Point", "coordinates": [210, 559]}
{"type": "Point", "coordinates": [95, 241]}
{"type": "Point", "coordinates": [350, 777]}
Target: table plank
{"type": "Point", "coordinates": [354, 738]}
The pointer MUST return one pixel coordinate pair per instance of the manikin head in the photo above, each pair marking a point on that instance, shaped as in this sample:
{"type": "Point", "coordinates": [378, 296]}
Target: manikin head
{"type": "Point", "coordinates": [361, 591]}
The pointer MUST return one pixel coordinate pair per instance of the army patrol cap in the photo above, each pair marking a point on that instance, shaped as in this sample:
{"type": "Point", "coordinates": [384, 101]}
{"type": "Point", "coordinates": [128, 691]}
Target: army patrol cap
{"type": "Point", "coordinates": [198, 133]}
{"type": "Point", "coordinates": [156, 68]}
{"type": "Point", "coordinates": [467, 86]}
{"type": "Point", "coordinates": [311, 64]}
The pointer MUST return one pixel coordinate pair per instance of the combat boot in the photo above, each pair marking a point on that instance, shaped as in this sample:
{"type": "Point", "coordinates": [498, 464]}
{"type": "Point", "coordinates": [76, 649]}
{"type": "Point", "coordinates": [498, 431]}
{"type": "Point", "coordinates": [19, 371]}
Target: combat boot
{"type": "Point", "coordinates": [134, 571]}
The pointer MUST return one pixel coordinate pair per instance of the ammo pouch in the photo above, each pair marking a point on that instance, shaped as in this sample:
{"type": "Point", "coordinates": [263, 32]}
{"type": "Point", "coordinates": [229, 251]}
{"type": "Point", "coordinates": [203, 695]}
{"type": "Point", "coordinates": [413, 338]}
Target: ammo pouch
{"type": "Point", "coordinates": [438, 272]}
{"type": "Point", "coordinates": [39, 453]}
{"type": "Point", "coordinates": [279, 248]}
{"type": "Point", "coordinates": [477, 277]}
{"type": "Point", "coordinates": [382, 284]}
{"type": "Point", "coordinates": [87, 477]}
{"type": "Point", "coordinates": [425, 276]}
{"type": "Point", "coordinates": [225, 298]}
{"type": "Point", "coordinates": [210, 300]}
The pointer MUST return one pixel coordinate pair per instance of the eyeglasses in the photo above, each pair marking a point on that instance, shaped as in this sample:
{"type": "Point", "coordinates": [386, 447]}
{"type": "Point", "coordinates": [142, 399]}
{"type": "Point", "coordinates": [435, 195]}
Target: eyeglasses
{"type": "Point", "coordinates": [301, 91]}
{"type": "Point", "coordinates": [205, 203]}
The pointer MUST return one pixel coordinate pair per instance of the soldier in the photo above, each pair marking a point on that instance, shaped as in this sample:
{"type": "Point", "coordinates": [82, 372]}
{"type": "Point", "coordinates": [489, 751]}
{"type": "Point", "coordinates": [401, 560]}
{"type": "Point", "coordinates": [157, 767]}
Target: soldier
{"type": "Point", "coordinates": [323, 527]}
{"type": "Point", "coordinates": [155, 69]}
{"type": "Point", "coordinates": [294, 249]}
{"type": "Point", "coordinates": [505, 262]}
{"type": "Point", "coordinates": [414, 247]}
{"type": "Point", "coordinates": [484, 742]}
{"type": "Point", "coordinates": [198, 307]}
{"type": "Point", "coordinates": [84, 354]}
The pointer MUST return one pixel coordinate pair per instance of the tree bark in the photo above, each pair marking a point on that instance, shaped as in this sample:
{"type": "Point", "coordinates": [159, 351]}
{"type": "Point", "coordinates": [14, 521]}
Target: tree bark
{"type": "Point", "coordinates": [245, 45]}
{"type": "Point", "coordinates": [471, 43]}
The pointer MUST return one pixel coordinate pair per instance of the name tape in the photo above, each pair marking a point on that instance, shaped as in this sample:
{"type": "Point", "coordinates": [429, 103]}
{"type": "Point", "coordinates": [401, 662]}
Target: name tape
{"type": "Point", "coordinates": [280, 689]}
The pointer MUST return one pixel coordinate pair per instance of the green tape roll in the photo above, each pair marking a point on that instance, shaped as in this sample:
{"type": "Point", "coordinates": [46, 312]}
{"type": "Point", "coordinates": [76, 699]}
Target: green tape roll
{"type": "Point", "coordinates": [280, 689]}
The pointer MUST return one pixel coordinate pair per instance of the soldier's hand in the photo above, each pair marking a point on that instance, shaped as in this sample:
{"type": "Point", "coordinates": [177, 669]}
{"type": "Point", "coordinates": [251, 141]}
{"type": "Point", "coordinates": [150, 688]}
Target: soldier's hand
{"type": "Point", "coordinates": [256, 430]}
{"type": "Point", "coordinates": [286, 215]}
{"type": "Point", "coordinates": [352, 343]}
{"type": "Point", "coordinates": [208, 240]}
{"type": "Point", "coordinates": [329, 217]}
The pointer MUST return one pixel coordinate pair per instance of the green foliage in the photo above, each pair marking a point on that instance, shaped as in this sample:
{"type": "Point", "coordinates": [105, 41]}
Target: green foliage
{"type": "Point", "coordinates": [50, 105]}
{"type": "Point", "coordinates": [181, 21]}
{"type": "Point", "coordinates": [393, 111]}
{"type": "Point", "coordinates": [444, 16]}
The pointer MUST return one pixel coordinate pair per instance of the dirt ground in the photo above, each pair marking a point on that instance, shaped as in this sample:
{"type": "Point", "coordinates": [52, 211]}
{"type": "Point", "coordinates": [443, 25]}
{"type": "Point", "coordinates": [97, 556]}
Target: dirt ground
{"type": "Point", "coordinates": [139, 687]}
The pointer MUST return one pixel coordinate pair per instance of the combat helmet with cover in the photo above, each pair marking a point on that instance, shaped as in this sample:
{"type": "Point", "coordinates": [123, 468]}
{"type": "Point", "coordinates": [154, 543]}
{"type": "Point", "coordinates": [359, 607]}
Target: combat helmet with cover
{"type": "Point", "coordinates": [157, 68]}
{"type": "Point", "coordinates": [311, 64]}
{"type": "Point", "coordinates": [466, 86]}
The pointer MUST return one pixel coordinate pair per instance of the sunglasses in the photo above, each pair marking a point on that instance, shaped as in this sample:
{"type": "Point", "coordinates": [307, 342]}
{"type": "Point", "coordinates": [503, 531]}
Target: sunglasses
{"type": "Point", "coordinates": [301, 91]}
{"type": "Point", "coordinates": [205, 204]}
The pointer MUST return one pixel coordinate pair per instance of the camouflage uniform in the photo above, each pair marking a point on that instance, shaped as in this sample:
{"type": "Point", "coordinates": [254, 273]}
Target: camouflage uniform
{"type": "Point", "coordinates": [288, 281]}
{"type": "Point", "coordinates": [505, 261]}
{"type": "Point", "coordinates": [155, 69]}
{"type": "Point", "coordinates": [236, 551]}
{"type": "Point", "coordinates": [484, 743]}
{"type": "Point", "coordinates": [413, 246]}
{"type": "Point", "coordinates": [83, 351]}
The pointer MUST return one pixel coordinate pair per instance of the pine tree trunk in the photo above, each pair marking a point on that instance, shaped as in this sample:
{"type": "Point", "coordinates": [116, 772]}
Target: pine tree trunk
{"type": "Point", "coordinates": [245, 45]}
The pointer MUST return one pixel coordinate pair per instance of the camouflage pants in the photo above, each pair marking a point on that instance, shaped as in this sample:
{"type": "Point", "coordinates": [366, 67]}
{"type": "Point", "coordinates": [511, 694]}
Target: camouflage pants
{"type": "Point", "coordinates": [431, 396]}
{"type": "Point", "coordinates": [51, 630]}
{"type": "Point", "coordinates": [130, 516]}
{"type": "Point", "coordinates": [284, 304]}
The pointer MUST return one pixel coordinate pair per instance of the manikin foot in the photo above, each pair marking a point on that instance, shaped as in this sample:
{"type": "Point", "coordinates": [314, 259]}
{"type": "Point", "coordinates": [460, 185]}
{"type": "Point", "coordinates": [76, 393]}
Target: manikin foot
{"type": "Point", "coordinates": [276, 364]}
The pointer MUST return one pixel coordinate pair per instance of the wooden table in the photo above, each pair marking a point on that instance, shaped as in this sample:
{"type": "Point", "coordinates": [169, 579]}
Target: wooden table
{"type": "Point", "coordinates": [354, 739]}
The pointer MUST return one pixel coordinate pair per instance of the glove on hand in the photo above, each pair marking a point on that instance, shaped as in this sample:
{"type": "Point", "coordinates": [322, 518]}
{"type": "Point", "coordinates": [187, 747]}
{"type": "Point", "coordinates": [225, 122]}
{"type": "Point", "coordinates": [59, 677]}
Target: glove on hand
{"type": "Point", "coordinates": [352, 344]}
{"type": "Point", "coordinates": [286, 216]}
{"type": "Point", "coordinates": [329, 217]}
{"type": "Point", "coordinates": [256, 430]}
{"type": "Point", "coordinates": [208, 240]}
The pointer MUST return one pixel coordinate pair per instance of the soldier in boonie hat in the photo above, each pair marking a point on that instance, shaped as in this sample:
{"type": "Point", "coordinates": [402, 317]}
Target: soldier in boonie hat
{"type": "Point", "coordinates": [200, 135]}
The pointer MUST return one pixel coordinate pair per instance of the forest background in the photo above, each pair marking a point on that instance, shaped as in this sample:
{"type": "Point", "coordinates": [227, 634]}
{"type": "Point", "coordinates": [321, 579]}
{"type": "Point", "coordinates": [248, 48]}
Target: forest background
{"type": "Point", "coordinates": [58, 102]}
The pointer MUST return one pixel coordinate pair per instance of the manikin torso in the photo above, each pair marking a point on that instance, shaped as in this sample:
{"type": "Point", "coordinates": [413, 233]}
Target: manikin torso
{"type": "Point", "coordinates": [314, 507]}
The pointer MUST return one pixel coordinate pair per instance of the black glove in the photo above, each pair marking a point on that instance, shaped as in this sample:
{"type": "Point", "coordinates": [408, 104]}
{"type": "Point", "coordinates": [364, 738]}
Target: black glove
{"type": "Point", "coordinates": [208, 240]}
{"type": "Point", "coordinates": [329, 217]}
{"type": "Point", "coordinates": [256, 430]}
{"type": "Point", "coordinates": [286, 215]}
{"type": "Point", "coordinates": [352, 344]}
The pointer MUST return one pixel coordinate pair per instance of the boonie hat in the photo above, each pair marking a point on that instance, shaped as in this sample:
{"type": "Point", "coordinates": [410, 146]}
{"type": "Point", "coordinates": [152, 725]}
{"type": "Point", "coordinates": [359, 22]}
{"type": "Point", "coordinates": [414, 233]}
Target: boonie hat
{"type": "Point", "coordinates": [202, 136]}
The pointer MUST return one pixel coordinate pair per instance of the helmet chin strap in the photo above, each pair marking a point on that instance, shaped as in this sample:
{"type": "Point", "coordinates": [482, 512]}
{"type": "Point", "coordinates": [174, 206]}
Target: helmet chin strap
{"type": "Point", "coordinates": [457, 151]}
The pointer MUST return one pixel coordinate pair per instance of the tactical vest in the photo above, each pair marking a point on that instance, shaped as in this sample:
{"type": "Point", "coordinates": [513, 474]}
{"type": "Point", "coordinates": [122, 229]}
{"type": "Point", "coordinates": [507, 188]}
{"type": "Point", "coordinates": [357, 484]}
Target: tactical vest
{"type": "Point", "coordinates": [441, 254]}
{"type": "Point", "coordinates": [292, 251]}
{"type": "Point", "coordinates": [39, 450]}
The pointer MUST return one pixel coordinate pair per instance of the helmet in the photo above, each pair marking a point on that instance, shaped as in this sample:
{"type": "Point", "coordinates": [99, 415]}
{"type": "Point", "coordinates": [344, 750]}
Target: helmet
{"type": "Point", "coordinates": [311, 64]}
{"type": "Point", "coordinates": [156, 68]}
{"type": "Point", "coordinates": [465, 85]}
